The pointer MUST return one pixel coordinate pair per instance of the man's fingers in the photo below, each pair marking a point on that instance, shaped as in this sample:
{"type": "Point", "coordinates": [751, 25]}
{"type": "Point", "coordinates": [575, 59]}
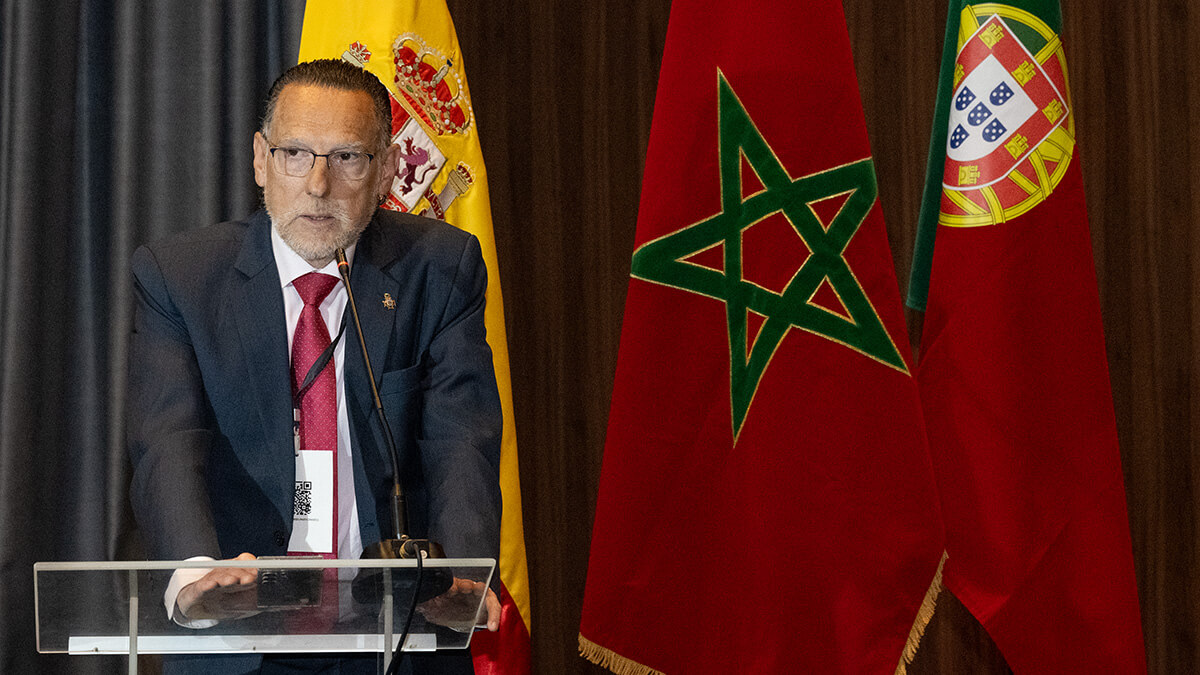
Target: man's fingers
{"type": "Point", "coordinates": [244, 575]}
{"type": "Point", "coordinates": [234, 588]}
{"type": "Point", "coordinates": [228, 577]}
{"type": "Point", "coordinates": [493, 611]}
{"type": "Point", "coordinates": [465, 586]}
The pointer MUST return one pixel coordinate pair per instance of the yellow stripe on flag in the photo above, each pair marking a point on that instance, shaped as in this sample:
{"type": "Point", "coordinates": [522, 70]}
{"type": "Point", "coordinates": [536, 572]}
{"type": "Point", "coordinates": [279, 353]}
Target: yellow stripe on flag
{"type": "Point", "coordinates": [378, 36]}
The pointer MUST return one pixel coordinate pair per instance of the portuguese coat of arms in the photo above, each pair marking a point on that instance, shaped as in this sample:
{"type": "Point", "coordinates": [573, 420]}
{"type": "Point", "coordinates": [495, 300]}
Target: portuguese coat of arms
{"type": "Point", "coordinates": [1010, 133]}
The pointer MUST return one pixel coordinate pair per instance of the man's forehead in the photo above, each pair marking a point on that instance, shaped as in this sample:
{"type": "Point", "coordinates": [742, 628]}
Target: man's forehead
{"type": "Point", "coordinates": [321, 115]}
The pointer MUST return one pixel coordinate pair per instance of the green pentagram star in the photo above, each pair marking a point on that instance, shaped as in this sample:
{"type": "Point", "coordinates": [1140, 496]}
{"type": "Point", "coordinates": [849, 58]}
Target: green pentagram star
{"type": "Point", "coordinates": [663, 261]}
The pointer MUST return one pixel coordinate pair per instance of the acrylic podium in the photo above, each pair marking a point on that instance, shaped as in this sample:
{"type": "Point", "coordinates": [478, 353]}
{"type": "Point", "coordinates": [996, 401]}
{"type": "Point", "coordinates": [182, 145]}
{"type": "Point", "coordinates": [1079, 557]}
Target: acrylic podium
{"type": "Point", "coordinates": [298, 605]}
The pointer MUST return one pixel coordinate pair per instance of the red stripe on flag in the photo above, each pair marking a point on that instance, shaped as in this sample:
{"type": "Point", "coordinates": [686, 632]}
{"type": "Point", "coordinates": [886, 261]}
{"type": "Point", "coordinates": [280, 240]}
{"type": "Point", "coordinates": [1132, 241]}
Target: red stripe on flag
{"type": "Point", "coordinates": [507, 651]}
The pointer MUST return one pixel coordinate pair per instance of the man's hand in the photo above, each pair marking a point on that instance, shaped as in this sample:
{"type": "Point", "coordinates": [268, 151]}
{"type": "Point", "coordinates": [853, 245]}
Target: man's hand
{"type": "Point", "coordinates": [223, 593]}
{"type": "Point", "coordinates": [456, 607]}
{"type": "Point", "coordinates": [492, 603]}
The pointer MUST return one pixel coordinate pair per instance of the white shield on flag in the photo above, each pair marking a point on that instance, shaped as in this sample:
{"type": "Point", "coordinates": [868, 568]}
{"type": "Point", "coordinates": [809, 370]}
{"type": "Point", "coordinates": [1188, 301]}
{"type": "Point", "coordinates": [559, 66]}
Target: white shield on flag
{"type": "Point", "coordinates": [420, 162]}
{"type": "Point", "coordinates": [988, 109]}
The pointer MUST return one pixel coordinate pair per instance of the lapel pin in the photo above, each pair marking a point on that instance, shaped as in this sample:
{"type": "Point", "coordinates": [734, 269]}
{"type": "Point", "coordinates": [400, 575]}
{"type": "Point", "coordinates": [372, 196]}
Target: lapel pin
{"type": "Point", "coordinates": [388, 301]}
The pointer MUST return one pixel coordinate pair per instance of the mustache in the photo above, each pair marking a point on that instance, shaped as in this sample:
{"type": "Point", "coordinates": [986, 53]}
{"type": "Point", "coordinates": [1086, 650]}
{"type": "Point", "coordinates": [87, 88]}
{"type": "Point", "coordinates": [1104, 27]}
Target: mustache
{"type": "Point", "coordinates": [320, 210]}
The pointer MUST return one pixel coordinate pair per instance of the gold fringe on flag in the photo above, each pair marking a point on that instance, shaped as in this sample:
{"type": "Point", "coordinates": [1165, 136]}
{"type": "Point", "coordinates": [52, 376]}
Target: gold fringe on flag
{"type": "Point", "coordinates": [924, 616]}
{"type": "Point", "coordinates": [607, 658]}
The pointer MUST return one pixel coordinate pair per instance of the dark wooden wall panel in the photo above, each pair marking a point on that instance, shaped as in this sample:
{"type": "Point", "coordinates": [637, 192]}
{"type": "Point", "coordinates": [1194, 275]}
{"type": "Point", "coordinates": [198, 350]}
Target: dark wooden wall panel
{"type": "Point", "coordinates": [1136, 68]}
{"type": "Point", "coordinates": [564, 94]}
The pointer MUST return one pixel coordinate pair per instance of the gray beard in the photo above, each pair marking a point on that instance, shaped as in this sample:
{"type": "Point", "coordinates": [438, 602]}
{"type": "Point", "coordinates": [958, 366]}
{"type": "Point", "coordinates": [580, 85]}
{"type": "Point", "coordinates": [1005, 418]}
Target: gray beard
{"type": "Point", "coordinates": [318, 248]}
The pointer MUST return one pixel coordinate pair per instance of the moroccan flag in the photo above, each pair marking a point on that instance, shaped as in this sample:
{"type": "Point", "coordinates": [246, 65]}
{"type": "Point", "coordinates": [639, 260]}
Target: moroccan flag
{"type": "Point", "coordinates": [766, 500]}
{"type": "Point", "coordinates": [1012, 372]}
{"type": "Point", "coordinates": [412, 47]}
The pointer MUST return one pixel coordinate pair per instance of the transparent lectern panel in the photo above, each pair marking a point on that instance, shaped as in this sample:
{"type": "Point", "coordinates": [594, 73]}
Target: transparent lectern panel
{"type": "Point", "coordinates": [294, 605]}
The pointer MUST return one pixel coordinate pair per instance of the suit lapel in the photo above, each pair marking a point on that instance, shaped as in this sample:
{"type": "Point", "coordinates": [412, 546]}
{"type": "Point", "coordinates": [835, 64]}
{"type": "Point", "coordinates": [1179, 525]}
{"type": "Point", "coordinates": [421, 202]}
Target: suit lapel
{"type": "Point", "coordinates": [369, 283]}
{"type": "Point", "coordinates": [257, 306]}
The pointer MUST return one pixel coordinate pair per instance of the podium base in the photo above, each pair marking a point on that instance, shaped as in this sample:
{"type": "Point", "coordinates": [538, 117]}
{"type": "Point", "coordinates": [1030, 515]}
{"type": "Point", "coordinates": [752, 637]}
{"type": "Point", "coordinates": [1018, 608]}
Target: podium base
{"type": "Point", "coordinates": [403, 549]}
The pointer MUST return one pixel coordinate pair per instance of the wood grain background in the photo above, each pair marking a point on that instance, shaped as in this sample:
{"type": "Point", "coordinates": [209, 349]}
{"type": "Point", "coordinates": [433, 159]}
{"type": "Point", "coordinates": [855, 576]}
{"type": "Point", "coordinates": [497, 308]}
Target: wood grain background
{"type": "Point", "coordinates": [564, 94]}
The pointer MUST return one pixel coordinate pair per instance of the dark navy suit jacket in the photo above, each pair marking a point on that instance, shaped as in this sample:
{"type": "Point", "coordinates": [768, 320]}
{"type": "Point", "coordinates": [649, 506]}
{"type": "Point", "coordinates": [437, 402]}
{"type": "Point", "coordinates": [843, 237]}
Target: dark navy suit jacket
{"type": "Point", "coordinates": [210, 427]}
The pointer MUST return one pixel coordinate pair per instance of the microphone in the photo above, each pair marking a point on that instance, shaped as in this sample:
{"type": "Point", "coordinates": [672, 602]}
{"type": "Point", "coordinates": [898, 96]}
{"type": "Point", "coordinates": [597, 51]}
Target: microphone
{"type": "Point", "coordinates": [400, 545]}
{"type": "Point", "coordinates": [368, 587]}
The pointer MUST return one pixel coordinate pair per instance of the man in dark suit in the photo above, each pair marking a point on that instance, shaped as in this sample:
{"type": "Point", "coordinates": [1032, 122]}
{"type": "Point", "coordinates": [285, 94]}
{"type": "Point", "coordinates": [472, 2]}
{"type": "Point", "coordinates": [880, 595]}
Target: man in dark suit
{"type": "Point", "coordinates": [219, 412]}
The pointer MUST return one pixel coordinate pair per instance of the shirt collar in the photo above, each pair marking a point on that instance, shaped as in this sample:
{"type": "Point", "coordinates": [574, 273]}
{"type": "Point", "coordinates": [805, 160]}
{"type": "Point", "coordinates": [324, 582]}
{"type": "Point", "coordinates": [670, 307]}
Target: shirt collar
{"type": "Point", "coordinates": [291, 266]}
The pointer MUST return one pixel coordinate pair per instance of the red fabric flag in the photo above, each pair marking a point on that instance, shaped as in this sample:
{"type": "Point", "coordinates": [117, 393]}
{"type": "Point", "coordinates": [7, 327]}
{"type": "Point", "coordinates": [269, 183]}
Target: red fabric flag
{"type": "Point", "coordinates": [1013, 372]}
{"type": "Point", "coordinates": [766, 500]}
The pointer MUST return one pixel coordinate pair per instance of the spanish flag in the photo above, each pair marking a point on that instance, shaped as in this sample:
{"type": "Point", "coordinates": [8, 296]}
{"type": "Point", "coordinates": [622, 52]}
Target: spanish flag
{"type": "Point", "coordinates": [412, 48]}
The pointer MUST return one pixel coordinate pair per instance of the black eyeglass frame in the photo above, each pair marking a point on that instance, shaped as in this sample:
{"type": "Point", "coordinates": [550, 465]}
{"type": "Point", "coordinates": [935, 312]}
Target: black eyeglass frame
{"type": "Point", "coordinates": [272, 148]}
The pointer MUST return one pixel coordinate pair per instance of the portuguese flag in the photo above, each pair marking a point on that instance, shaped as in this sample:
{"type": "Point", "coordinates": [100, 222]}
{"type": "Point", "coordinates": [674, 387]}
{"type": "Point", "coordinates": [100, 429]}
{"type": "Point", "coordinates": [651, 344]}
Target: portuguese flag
{"type": "Point", "coordinates": [1012, 372]}
{"type": "Point", "coordinates": [766, 499]}
{"type": "Point", "coordinates": [413, 49]}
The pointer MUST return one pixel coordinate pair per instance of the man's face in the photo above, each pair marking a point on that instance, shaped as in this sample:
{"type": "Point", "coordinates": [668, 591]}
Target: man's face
{"type": "Point", "coordinates": [318, 213]}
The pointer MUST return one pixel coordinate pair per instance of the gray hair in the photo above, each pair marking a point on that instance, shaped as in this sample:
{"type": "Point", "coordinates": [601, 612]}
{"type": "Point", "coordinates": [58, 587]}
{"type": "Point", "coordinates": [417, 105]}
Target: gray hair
{"type": "Point", "coordinates": [334, 74]}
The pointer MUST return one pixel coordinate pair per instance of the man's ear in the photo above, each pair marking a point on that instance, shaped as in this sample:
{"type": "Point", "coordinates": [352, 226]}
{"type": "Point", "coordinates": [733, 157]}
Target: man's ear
{"type": "Point", "coordinates": [262, 158]}
{"type": "Point", "coordinates": [389, 167]}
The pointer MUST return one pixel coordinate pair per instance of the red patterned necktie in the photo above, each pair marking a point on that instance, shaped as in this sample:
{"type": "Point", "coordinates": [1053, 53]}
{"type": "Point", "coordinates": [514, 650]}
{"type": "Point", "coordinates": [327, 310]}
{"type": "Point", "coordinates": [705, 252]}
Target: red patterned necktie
{"type": "Point", "coordinates": [318, 404]}
{"type": "Point", "coordinates": [318, 421]}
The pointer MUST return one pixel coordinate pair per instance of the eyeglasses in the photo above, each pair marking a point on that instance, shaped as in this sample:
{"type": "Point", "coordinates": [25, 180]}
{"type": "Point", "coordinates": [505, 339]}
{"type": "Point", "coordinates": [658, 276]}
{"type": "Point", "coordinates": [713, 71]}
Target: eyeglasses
{"type": "Point", "coordinates": [343, 165]}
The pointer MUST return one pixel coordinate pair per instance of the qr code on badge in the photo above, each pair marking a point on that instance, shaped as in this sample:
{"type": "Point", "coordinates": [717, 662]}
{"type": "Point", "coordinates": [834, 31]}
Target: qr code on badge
{"type": "Point", "coordinates": [303, 505]}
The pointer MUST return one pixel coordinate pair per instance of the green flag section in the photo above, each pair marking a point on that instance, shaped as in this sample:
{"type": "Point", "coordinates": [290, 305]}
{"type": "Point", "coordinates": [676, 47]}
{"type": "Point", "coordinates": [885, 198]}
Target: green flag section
{"type": "Point", "coordinates": [766, 499]}
{"type": "Point", "coordinates": [1012, 372]}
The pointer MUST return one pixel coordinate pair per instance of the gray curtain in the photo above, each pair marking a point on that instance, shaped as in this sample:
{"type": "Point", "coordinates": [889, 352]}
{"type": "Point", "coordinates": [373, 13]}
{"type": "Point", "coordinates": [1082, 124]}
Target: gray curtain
{"type": "Point", "coordinates": [120, 122]}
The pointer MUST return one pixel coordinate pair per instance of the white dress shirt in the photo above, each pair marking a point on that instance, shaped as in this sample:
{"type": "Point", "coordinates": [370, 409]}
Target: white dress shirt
{"type": "Point", "coordinates": [291, 266]}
